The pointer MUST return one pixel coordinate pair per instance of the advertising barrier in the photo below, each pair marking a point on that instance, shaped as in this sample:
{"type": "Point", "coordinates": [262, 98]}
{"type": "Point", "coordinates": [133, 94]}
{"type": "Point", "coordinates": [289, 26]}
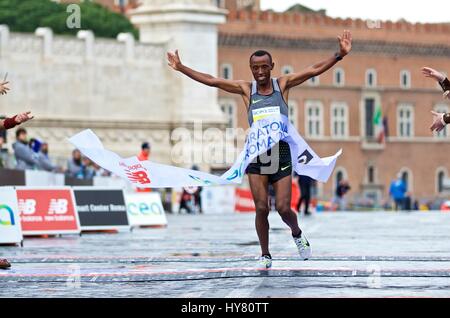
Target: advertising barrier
{"type": "Point", "coordinates": [10, 229]}
{"type": "Point", "coordinates": [217, 200]}
{"type": "Point", "coordinates": [244, 201]}
{"type": "Point", "coordinates": [145, 209]}
{"type": "Point", "coordinates": [47, 211]}
{"type": "Point", "coordinates": [101, 208]}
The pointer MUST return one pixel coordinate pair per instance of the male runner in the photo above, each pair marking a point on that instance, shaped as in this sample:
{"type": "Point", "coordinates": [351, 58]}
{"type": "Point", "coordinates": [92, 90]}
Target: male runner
{"type": "Point", "coordinates": [269, 95]}
{"type": "Point", "coordinates": [8, 123]}
{"type": "Point", "coordinates": [440, 120]}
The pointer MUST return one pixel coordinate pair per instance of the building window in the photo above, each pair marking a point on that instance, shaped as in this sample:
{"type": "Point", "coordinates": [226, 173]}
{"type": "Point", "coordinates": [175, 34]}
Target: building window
{"type": "Point", "coordinates": [405, 121]}
{"type": "Point", "coordinates": [121, 3]}
{"type": "Point", "coordinates": [339, 120]}
{"type": "Point", "coordinates": [440, 180]}
{"type": "Point", "coordinates": [226, 71]}
{"type": "Point", "coordinates": [407, 178]}
{"type": "Point", "coordinates": [220, 3]}
{"type": "Point", "coordinates": [340, 174]}
{"type": "Point", "coordinates": [369, 112]}
{"type": "Point", "coordinates": [287, 69]}
{"type": "Point", "coordinates": [314, 81]}
{"type": "Point", "coordinates": [371, 175]}
{"type": "Point", "coordinates": [371, 78]}
{"type": "Point", "coordinates": [405, 79]}
{"type": "Point", "coordinates": [314, 120]}
{"type": "Point", "coordinates": [339, 77]}
{"type": "Point", "coordinates": [293, 113]}
{"type": "Point", "coordinates": [229, 111]}
{"type": "Point", "coordinates": [442, 108]}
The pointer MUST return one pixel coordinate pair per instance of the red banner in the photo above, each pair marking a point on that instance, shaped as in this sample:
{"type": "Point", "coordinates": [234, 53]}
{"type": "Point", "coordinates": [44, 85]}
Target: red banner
{"type": "Point", "coordinates": [47, 211]}
{"type": "Point", "coordinates": [295, 195]}
{"type": "Point", "coordinates": [244, 201]}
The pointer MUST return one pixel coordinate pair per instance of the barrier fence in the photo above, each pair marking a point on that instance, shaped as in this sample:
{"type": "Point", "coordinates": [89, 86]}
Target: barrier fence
{"type": "Point", "coordinates": [27, 211]}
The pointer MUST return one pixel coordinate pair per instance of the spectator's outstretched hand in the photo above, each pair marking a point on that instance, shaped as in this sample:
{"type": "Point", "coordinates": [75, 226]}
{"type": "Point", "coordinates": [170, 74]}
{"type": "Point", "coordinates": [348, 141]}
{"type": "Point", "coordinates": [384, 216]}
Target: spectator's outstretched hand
{"type": "Point", "coordinates": [23, 117]}
{"type": "Point", "coordinates": [437, 122]}
{"type": "Point", "coordinates": [4, 88]}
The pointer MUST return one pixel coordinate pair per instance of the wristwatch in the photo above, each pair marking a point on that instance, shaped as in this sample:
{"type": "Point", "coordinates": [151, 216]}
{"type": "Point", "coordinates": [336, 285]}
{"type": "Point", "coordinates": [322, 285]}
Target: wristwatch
{"type": "Point", "coordinates": [445, 84]}
{"type": "Point", "coordinates": [338, 56]}
{"type": "Point", "coordinates": [445, 119]}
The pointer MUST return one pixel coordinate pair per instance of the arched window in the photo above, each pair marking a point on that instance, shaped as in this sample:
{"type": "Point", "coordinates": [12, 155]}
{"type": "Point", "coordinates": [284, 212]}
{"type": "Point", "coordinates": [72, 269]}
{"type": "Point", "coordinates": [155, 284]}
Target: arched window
{"type": "Point", "coordinates": [339, 175]}
{"type": "Point", "coordinates": [293, 113]}
{"type": "Point", "coordinates": [229, 110]}
{"type": "Point", "coordinates": [226, 71]}
{"type": "Point", "coordinates": [314, 81]}
{"type": "Point", "coordinates": [405, 79]}
{"type": "Point", "coordinates": [371, 78]}
{"type": "Point", "coordinates": [370, 174]}
{"type": "Point", "coordinates": [339, 77]}
{"type": "Point", "coordinates": [407, 178]}
{"type": "Point", "coordinates": [287, 69]}
{"type": "Point", "coordinates": [441, 174]}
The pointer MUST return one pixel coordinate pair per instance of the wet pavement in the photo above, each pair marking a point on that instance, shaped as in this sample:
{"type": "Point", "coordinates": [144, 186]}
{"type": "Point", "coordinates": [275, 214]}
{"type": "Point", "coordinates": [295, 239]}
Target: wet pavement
{"type": "Point", "coordinates": [355, 254]}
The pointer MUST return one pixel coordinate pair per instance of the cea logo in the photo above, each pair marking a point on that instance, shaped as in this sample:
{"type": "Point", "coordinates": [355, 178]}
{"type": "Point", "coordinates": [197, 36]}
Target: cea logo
{"type": "Point", "coordinates": [9, 212]}
{"type": "Point", "coordinates": [144, 209]}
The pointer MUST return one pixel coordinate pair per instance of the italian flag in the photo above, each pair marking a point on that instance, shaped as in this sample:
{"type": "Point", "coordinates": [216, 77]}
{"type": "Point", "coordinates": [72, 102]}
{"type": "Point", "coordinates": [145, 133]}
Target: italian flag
{"type": "Point", "coordinates": [378, 124]}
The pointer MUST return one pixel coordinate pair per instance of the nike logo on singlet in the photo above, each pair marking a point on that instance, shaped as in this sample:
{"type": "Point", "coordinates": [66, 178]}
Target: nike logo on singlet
{"type": "Point", "coordinates": [254, 101]}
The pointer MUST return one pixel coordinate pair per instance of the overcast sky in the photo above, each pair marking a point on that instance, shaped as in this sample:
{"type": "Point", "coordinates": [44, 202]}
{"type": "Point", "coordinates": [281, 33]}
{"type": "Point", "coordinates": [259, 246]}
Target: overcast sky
{"type": "Point", "coordinates": [413, 11]}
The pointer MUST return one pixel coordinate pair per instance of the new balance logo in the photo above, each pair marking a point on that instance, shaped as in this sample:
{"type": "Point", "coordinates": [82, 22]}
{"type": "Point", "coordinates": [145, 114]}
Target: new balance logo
{"type": "Point", "coordinates": [138, 177]}
{"type": "Point", "coordinates": [27, 206]}
{"type": "Point", "coordinates": [58, 206]}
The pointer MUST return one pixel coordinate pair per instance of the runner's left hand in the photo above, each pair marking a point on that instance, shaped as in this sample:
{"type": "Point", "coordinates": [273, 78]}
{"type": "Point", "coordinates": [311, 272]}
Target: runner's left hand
{"type": "Point", "coordinates": [345, 43]}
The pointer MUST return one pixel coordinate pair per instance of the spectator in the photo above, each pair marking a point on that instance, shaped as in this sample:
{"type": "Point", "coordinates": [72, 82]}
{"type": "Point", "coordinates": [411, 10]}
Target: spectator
{"type": "Point", "coordinates": [3, 153]}
{"type": "Point", "coordinates": [45, 163]}
{"type": "Point", "coordinates": [397, 191]}
{"type": "Point", "coordinates": [88, 171]}
{"type": "Point", "coordinates": [407, 204]}
{"type": "Point", "coordinates": [145, 152]}
{"type": "Point", "coordinates": [341, 190]}
{"type": "Point", "coordinates": [304, 183]}
{"type": "Point", "coordinates": [26, 158]}
{"type": "Point", "coordinates": [74, 165]}
{"type": "Point", "coordinates": [143, 156]}
{"type": "Point", "coordinates": [99, 171]}
{"type": "Point", "coordinates": [197, 194]}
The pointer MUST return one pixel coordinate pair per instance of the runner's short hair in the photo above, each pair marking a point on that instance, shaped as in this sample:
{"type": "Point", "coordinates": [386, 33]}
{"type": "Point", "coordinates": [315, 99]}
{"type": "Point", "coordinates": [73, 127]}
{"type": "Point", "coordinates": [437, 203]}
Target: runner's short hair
{"type": "Point", "coordinates": [261, 53]}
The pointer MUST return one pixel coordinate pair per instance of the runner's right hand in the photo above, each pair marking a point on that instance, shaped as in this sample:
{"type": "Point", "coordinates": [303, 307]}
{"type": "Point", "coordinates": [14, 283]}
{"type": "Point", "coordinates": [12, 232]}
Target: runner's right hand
{"type": "Point", "coordinates": [174, 60]}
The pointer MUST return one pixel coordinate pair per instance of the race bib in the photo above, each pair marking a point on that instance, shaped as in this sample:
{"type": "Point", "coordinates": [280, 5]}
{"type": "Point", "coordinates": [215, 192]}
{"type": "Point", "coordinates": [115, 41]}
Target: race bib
{"type": "Point", "coordinates": [261, 113]}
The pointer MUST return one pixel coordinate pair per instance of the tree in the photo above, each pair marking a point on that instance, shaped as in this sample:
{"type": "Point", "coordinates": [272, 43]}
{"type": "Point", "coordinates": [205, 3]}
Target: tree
{"type": "Point", "coordinates": [27, 15]}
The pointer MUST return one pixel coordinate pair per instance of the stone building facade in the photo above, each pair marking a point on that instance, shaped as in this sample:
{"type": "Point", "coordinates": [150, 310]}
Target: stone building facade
{"type": "Point", "coordinates": [336, 110]}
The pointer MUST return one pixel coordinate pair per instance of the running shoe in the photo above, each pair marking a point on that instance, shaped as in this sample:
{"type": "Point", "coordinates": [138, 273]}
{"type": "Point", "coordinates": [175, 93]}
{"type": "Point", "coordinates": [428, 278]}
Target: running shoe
{"type": "Point", "coordinates": [265, 261]}
{"type": "Point", "coordinates": [304, 249]}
